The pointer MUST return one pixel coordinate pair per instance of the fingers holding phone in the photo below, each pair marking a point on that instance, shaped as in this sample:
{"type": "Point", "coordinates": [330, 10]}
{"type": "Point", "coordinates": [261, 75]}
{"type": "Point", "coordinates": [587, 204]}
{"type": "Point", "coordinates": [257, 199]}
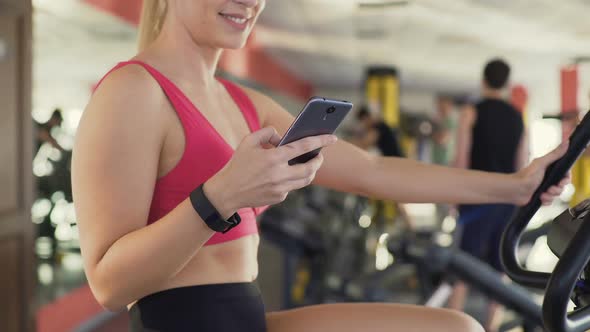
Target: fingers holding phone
{"type": "Point", "coordinates": [319, 117]}
{"type": "Point", "coordinates": [303, 174]}
{"type": "Point", "coordinates": [258, 175]}
{"type": "Point", "coordinates": [305, 149]}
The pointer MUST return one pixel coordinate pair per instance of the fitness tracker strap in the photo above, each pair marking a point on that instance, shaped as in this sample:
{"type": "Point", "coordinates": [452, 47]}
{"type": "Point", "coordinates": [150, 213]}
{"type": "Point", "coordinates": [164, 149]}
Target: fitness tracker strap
{"type": "Point", "coordinates": [209, 214]}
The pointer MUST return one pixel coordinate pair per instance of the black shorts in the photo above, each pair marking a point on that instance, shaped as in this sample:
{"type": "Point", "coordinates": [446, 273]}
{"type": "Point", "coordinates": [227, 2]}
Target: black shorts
{"type": "Point", "coordinates": [218, 307]}
{"type": "Point", "coordinates": [481, 228]}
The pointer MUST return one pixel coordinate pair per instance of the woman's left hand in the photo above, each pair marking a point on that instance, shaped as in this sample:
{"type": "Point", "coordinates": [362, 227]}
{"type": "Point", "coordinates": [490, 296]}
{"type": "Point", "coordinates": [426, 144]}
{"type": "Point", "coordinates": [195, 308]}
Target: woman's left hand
{"type": "Point", "coordinates": [531, 176]}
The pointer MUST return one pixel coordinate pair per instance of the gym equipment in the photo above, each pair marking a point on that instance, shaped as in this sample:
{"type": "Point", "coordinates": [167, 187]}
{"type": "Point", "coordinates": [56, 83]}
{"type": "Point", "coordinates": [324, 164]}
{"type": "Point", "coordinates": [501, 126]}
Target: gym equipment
{"type": "Point", "coordinates": [581, 169]}
{"type": "Point", "coordinates": [418, 125]}
{"type": "Point", "coordinates": [568, 228]}
{"type": "Point", "coordinates": [569, 275]}
{"type": "Point", "coordinates": [324, 250]}
{"type": "Point", "coordinates": [298, 241]}
{"type": "Point", "coordinates": [441, 264]}
{"type": "Point", "coordinates": [565, 278]}
{"type": "Point", "coordinates": [563, 116]}
{"type": "Point", "coordinates": [325, 260]}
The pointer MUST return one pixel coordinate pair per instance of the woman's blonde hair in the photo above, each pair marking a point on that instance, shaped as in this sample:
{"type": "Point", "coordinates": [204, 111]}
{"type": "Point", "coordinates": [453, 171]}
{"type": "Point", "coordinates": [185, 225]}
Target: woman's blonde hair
{"type": "Point", "coordinates": [152, 18]}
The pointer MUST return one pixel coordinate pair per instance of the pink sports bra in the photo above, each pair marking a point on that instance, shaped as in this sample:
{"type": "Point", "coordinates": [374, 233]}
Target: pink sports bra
{"type": "Point", "coordinates": [201, 139]}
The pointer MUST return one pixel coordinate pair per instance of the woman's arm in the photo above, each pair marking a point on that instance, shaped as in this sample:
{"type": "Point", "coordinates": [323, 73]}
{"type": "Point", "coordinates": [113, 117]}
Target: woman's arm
{"type": "Point", "coordinates": [405, 180]}
{"type": "Point", "coordinates": [115, 165]}
{"type": "Point", "coordinates": [350, 169]}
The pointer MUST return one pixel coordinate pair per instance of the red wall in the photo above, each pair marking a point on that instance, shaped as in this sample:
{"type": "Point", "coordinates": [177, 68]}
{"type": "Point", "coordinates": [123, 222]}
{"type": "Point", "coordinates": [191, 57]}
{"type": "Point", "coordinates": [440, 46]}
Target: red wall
{"type": "Point", "coordinates": [569, 88]}
{"type": "Point", "coordinates": [569, 96]}
{"type": "Point", "coordinates": [519, 97]}
{"type": "Point", "coordinates": [253, 63]}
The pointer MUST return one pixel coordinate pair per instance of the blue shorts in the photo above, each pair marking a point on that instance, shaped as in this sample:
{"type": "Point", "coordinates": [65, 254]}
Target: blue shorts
{"type": "Point", "coordinates": [481, 230]}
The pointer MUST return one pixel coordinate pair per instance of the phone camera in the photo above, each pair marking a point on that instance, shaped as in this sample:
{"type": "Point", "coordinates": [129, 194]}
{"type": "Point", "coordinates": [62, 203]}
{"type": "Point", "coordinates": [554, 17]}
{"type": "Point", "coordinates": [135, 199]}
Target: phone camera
{"type": "Point", "coordinates": [331, 109]}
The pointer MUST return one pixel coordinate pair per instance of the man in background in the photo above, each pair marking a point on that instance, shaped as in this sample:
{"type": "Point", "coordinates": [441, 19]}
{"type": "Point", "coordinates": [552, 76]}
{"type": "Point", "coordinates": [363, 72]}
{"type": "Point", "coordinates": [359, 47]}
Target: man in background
{"type": "Point", "coordinates": [490, 137]}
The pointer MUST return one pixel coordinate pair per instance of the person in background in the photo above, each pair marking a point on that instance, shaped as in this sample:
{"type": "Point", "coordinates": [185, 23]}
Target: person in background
{"type": "Point", "coordinates": [377, 133]}
{"type": "Point", "coordinates": [445, 122]}
{"type": "Point", "coordinates": [44, 131]}
{"type": "Point", "coordinates": [443, 143]}
{"type": "Point", "coordinates": [491, 138]}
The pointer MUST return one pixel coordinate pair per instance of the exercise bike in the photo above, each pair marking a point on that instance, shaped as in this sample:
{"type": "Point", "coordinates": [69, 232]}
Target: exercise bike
{"type": "Point", "coordinates": [568, 238]}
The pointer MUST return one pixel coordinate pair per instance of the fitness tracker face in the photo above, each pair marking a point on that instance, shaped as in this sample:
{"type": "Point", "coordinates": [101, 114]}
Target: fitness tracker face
{"type": "Point", "coordinates": [209, 214]}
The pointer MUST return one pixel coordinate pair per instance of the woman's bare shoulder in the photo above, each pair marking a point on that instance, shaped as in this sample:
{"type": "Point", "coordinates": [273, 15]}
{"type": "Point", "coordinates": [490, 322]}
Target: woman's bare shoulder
{"type": "Point", "coordinates": [126, 95]}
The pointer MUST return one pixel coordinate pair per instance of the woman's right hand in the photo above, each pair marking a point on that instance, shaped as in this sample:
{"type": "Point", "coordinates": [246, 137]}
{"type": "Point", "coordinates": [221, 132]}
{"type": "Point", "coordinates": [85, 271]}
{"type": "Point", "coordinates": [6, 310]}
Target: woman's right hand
{"type": "Point", "coordinates": [258, 176]}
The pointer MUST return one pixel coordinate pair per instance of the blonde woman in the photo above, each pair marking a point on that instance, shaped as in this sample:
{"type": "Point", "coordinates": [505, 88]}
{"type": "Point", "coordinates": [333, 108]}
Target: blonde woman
{"type": "Point", "coordinates": [168, 156]}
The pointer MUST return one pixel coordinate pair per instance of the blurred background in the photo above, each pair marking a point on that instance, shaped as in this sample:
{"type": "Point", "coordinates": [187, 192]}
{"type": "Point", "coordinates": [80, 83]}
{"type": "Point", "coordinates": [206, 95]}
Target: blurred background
{"type": "Point", "coordinates": [400, 58]}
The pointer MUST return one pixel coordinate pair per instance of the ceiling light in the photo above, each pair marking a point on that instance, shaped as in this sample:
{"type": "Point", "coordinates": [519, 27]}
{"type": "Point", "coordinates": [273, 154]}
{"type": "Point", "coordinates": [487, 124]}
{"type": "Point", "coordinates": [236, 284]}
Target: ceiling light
{"type": "Point", "coordinates": [380, 4]}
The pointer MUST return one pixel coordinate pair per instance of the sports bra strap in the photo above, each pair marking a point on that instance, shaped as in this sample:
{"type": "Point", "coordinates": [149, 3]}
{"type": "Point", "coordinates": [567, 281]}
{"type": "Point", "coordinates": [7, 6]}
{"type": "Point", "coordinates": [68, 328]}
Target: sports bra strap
{"type": "Point", "coordinates": [180, 101]}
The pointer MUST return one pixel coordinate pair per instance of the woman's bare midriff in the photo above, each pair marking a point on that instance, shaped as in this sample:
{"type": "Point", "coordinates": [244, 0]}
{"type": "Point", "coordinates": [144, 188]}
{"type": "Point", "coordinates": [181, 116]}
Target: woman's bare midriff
{"type": "Point", "coordinates": [233, 261]}
{"type": "Point", "coordinates": [229, 262]}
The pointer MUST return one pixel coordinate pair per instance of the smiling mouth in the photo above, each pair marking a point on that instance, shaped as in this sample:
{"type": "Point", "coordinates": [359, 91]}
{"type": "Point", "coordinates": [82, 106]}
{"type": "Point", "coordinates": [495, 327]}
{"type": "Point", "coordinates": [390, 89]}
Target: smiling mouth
{"type": "Point", "coordinates": [237, 19]}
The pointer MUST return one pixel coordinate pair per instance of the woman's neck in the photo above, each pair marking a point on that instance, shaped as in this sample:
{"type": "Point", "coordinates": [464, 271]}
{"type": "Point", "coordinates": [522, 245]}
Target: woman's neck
{"type": "Point", "coordinates": [184, 57]}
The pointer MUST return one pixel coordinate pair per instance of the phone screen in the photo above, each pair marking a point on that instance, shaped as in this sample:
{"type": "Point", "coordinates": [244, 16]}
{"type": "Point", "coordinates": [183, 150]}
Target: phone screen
{"type": "Point", "coordinates": [320, 116]}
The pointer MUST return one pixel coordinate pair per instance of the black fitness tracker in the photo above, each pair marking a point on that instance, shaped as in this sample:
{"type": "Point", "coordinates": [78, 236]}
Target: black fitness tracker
{"type": "Point", "coordinates": [209, 214]}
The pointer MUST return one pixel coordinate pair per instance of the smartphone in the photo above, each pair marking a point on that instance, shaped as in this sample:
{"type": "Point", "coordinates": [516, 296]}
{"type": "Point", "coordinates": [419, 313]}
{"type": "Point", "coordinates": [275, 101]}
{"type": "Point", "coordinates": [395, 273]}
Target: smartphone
{"type": "Point", "coordinates": [320, 116]}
